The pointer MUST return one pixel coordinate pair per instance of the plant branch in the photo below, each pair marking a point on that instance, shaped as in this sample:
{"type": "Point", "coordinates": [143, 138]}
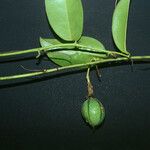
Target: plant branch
{"type": "Point", "coordinates": [68, 46]}
{"type": "Point", "coordinates": [34, 50]}
{"type": "Point", "coordinates": [91, 64]}
{"type": "Point", "coordinates": [113, 53]}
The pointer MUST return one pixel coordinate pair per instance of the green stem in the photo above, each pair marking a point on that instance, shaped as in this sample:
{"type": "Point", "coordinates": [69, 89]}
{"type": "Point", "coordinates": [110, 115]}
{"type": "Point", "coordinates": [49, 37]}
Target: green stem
{"type": "Point", "coordinates": [103, 51]}
{"type": "Point", "coordinates": [59, 47]}
{"type": "Point", "coordinates": [34, 50]}
{"type": "Point", "coordinates": [91, 64]}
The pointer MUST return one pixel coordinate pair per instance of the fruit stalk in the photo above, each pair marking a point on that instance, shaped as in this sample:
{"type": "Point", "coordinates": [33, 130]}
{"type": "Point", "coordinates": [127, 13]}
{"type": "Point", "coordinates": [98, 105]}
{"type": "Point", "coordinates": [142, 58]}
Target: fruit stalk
{"type": "Point", "coordinates": [89, 84]}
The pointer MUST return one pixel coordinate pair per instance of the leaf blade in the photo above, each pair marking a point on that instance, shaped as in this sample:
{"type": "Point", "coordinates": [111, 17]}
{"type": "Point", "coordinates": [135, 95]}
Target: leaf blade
{"type": "Point", "coordinates": [66, 18]}
{"type": "Point", "coordinates": [119, 25]}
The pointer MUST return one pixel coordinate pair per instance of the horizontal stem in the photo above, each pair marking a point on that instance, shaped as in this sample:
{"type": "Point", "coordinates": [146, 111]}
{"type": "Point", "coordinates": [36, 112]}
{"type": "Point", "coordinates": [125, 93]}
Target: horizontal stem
{"type": "Point", "coordinates": [46, 71]}
{"type": "Point", "coordinates": [104, 51]}
{"type": "Point", "coordinates": [21, 52]}
{"type": "Point", "coordinates": [62, 46]}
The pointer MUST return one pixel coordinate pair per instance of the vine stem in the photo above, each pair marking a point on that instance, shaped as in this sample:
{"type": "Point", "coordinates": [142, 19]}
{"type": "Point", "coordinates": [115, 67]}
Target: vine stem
{"type": "Point", "coordinates": [68, 46]}
{"type": "Point", "coordinates": [91, 64]}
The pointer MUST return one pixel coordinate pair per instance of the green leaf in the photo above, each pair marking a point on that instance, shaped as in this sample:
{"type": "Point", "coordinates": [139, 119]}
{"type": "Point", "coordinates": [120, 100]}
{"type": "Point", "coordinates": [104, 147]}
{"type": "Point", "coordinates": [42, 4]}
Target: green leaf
{"type": "Point", "coordinates": [91, 43]}
{"type": "Point", "coordinates": [71, 57]}
{"type": "Point", "coordinates": [66, 18]}
{"type": "Point", "coordinates": [119, 24]}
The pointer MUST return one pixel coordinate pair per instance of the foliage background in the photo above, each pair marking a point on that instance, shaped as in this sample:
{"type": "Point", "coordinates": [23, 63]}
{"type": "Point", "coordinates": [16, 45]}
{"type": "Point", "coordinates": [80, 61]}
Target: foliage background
{"type": "Point", "coordinates": [41, 113]}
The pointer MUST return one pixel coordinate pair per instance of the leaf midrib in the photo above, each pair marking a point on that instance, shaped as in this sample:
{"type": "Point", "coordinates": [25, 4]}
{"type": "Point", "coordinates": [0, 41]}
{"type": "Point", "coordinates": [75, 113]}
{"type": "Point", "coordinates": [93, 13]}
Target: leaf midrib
{"type": "Point", "coordinates": [67, 14]}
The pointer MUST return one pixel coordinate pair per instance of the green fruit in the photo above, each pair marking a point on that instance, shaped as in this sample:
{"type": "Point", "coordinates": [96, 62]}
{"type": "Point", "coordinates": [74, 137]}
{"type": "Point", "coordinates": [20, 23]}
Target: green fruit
{"type": "Point", "coordinates": [93, 111]}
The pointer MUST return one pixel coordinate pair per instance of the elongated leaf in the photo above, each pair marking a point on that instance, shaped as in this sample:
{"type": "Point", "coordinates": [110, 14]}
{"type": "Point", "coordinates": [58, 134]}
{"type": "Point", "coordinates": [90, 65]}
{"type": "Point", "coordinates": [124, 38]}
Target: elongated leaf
{"type": "Point", "coordinates": [66, 18]}
{"type": "Point", "coordinates": [119, 24]}
{"type": "Point", "coordinates": [71, 57]}
{"type": "Point", "coordinates": [91, 42]}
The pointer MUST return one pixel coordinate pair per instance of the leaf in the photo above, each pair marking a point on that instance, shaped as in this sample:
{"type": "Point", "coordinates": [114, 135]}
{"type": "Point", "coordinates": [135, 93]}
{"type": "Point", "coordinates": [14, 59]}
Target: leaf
{"type": "Point", "coordinates": [119, 24]}
{"type": "Point", "coordinates": [66, 18]}
{"type": "Point", "coordinates": [91, 43]}
{"type": "Point", "coordinates": [71, 57]}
